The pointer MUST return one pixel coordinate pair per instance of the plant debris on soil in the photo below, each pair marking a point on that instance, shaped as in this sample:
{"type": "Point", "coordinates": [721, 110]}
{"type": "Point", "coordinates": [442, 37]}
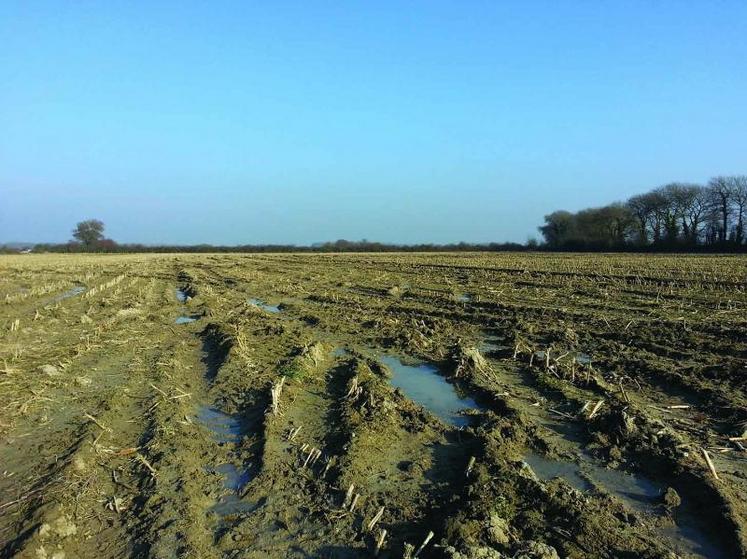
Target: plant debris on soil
{"type": "Point", "coordinates": [455, 406]}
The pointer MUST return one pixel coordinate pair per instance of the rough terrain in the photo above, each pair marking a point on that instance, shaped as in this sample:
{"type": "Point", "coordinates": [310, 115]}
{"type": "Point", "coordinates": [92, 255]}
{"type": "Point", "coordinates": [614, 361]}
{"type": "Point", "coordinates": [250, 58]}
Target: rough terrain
{"type": "Point", "coordinates": [455, 406]}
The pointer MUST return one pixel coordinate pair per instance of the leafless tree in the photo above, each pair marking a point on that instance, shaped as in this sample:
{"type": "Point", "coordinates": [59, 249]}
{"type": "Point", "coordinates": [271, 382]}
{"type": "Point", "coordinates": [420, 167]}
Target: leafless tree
{"type": "Point", "coordinates": [720, 195]}
{"type": "Point", "coordinates": [676, 214]}
{"type": "Point", "coordinates": [640, 208]}
{"type": "Point", "coordinates": [739, 205]}
{"type": "Point", "coordinates": [688, 205]}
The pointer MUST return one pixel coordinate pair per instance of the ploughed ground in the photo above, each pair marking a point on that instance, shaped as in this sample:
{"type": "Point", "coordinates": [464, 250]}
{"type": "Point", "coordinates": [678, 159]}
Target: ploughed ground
{"type": "Point", "coordinates": [356, 405]}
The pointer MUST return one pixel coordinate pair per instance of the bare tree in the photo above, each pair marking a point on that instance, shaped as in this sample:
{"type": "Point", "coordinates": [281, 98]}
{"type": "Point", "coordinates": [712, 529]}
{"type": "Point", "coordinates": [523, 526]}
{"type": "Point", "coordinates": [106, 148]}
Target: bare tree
{"type": "Point", "coordinates": [619, 221]}
{"type": "Point", "coordinates": [658, 215]}
{"type": "Point", "coordinates": [640, 208]}
{"type": "Point", "coordinates": [670, 210]}
{"type": "Point", "coordinates": [720, 194]}
{"type": "Point", "coordinates": [676, 214]}
{"type": "Point", "coordinates": [739, 205]}
{"type": "Point", "coordinates": [688, 206]}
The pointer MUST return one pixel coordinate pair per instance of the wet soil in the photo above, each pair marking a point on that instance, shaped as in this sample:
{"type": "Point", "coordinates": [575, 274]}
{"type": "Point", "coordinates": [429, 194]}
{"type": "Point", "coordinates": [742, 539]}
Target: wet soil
{"type": "Point", "coordinates": [240, 406]}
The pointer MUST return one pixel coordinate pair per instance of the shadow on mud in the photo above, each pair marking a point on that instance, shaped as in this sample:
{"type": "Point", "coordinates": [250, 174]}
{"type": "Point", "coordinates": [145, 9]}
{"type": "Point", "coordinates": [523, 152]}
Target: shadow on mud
{"type": "Point", "coordinates": [215, 348]}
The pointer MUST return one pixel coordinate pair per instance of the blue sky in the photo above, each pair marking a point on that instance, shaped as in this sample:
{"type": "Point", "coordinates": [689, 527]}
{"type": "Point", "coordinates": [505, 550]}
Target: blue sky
{"type": "Point", "coordinates": [297, 122]}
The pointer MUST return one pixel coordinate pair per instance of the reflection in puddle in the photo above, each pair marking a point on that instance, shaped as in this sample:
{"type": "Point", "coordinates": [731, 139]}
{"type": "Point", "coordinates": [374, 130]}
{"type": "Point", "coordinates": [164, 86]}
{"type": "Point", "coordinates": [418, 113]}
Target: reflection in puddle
{"type": "Point", "coordinates": [226, 428]}
{"type": "Point", "coordinates": [185, 319]}
{"type": "Point", "coordinates": [637, 493]}
{"type": "Point", "coordinates": [546, 469]}
{"type": "Point", "coordinates": [77, 290]}
{"type": "Point", "coordinates": [494, 347]}
{"type": "Point", "coordinates": [688, 540]}
{"type": "Point", "coordinates": [464, 298]}
{"type": "Point", "coordinates": [232, 505]}
{"type": "Point", "coordinates": [233, 478]}
{"type": "Point", "coordinates": [423, 384]}
{"type": "Point", "coordinates": [264, 306]}
{"type": "Point", "coordinates": [181, 295]}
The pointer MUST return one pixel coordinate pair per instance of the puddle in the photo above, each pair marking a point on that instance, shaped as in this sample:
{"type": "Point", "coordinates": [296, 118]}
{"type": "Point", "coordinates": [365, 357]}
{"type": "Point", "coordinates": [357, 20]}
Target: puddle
{"type": "Point", "coordinates": [232, 505]}
{"type": "Point", "coordinates": [637, 493]}
{"type": "Point", "coordinates": [264, 306]}
{"type": "Point", "coordinates": [688, 540]}
{"type": "Point", "coordinates": [233, 478]}
{"type": "Point", "coordinates": [183, 297]}
{"type": "Point", "coordinates": [77, 290]}
{"type": "Point", "coordinates": [226, 428]}
{"type": "Point", "coordinates": [464, 298]}
{"type": "Point", "coordinates": [423, 384]}
{"type": "Point", "coordinates": [547, 469]}
{"type": "Point", "coordinates": [340, 352]}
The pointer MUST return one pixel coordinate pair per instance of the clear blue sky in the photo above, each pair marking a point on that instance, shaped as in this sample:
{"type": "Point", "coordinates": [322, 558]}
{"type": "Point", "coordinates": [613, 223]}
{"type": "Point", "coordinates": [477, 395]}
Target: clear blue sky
{"type": "Point", "coordinates": [296, 122]}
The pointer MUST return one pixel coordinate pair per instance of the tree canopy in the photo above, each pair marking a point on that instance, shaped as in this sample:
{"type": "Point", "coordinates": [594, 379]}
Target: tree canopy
{"type": "Point", "coordinates": [674, 216]}
{"type": "Point", "coordinates": [89, 232]}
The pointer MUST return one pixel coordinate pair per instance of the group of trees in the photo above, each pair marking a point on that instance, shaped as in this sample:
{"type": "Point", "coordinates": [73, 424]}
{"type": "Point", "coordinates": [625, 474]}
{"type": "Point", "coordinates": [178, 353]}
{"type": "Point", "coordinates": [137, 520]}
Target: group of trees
{"type": "Point", "coordinates": [676, 215]}
{"type": "Point", "coordinates": [341, 245]}
{"type": "Point", "coordinates": [89, 237]}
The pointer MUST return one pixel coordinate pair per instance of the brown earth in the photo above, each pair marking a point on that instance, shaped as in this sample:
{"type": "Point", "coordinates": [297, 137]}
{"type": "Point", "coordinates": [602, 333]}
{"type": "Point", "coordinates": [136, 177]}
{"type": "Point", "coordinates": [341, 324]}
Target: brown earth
{"type": "Point", "coordinates": [604, 406]}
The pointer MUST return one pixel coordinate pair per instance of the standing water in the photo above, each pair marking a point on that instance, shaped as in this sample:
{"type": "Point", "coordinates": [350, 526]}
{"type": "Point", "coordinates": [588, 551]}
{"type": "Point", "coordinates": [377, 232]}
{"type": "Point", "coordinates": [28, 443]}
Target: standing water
{"type": "Point", "coordinates": [264, 306]}
{"type": "Point", "coordinates": [182, 297]}
{"type": "Point", "coordinates": [227, 428]}
{"type": "Point", "coordinates": [637, 493]}
{"type": "Point", "coordinates": [423, 384]}
{"type": "Point", "coordinates": [77, 290]}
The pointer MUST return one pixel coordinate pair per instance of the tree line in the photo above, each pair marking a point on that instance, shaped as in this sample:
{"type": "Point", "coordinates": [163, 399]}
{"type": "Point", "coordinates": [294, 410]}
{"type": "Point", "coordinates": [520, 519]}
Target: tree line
{"type": "Point", "coordinates": [342, 245]}
{"type": "Point", "coordinates": [88, 236]}
{"type": "Point", "coordinates": [676, 216]}
{"type": "Point", "coordinates": [673, 217]}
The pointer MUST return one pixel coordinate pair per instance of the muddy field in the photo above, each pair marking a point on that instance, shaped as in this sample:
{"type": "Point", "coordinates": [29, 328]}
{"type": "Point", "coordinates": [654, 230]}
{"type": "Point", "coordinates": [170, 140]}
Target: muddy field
{"type": "Point", "coordinates": [437, 406]}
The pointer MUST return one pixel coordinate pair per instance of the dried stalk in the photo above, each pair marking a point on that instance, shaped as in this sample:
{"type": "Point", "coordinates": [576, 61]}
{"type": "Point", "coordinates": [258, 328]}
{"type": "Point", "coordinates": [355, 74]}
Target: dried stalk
{"type": "Point", "coordinates": [596, 408]}
{"type": "Point", "coordinates": [375, 519]}
{"type": "Point", "coordinates": [380, 541]}
{"type": "Point", "coordinates": [275, 391]}
{"type": "Point", "coordinates": [428, 538]}
{"type": "Point", "coordinates": [710, 463]}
